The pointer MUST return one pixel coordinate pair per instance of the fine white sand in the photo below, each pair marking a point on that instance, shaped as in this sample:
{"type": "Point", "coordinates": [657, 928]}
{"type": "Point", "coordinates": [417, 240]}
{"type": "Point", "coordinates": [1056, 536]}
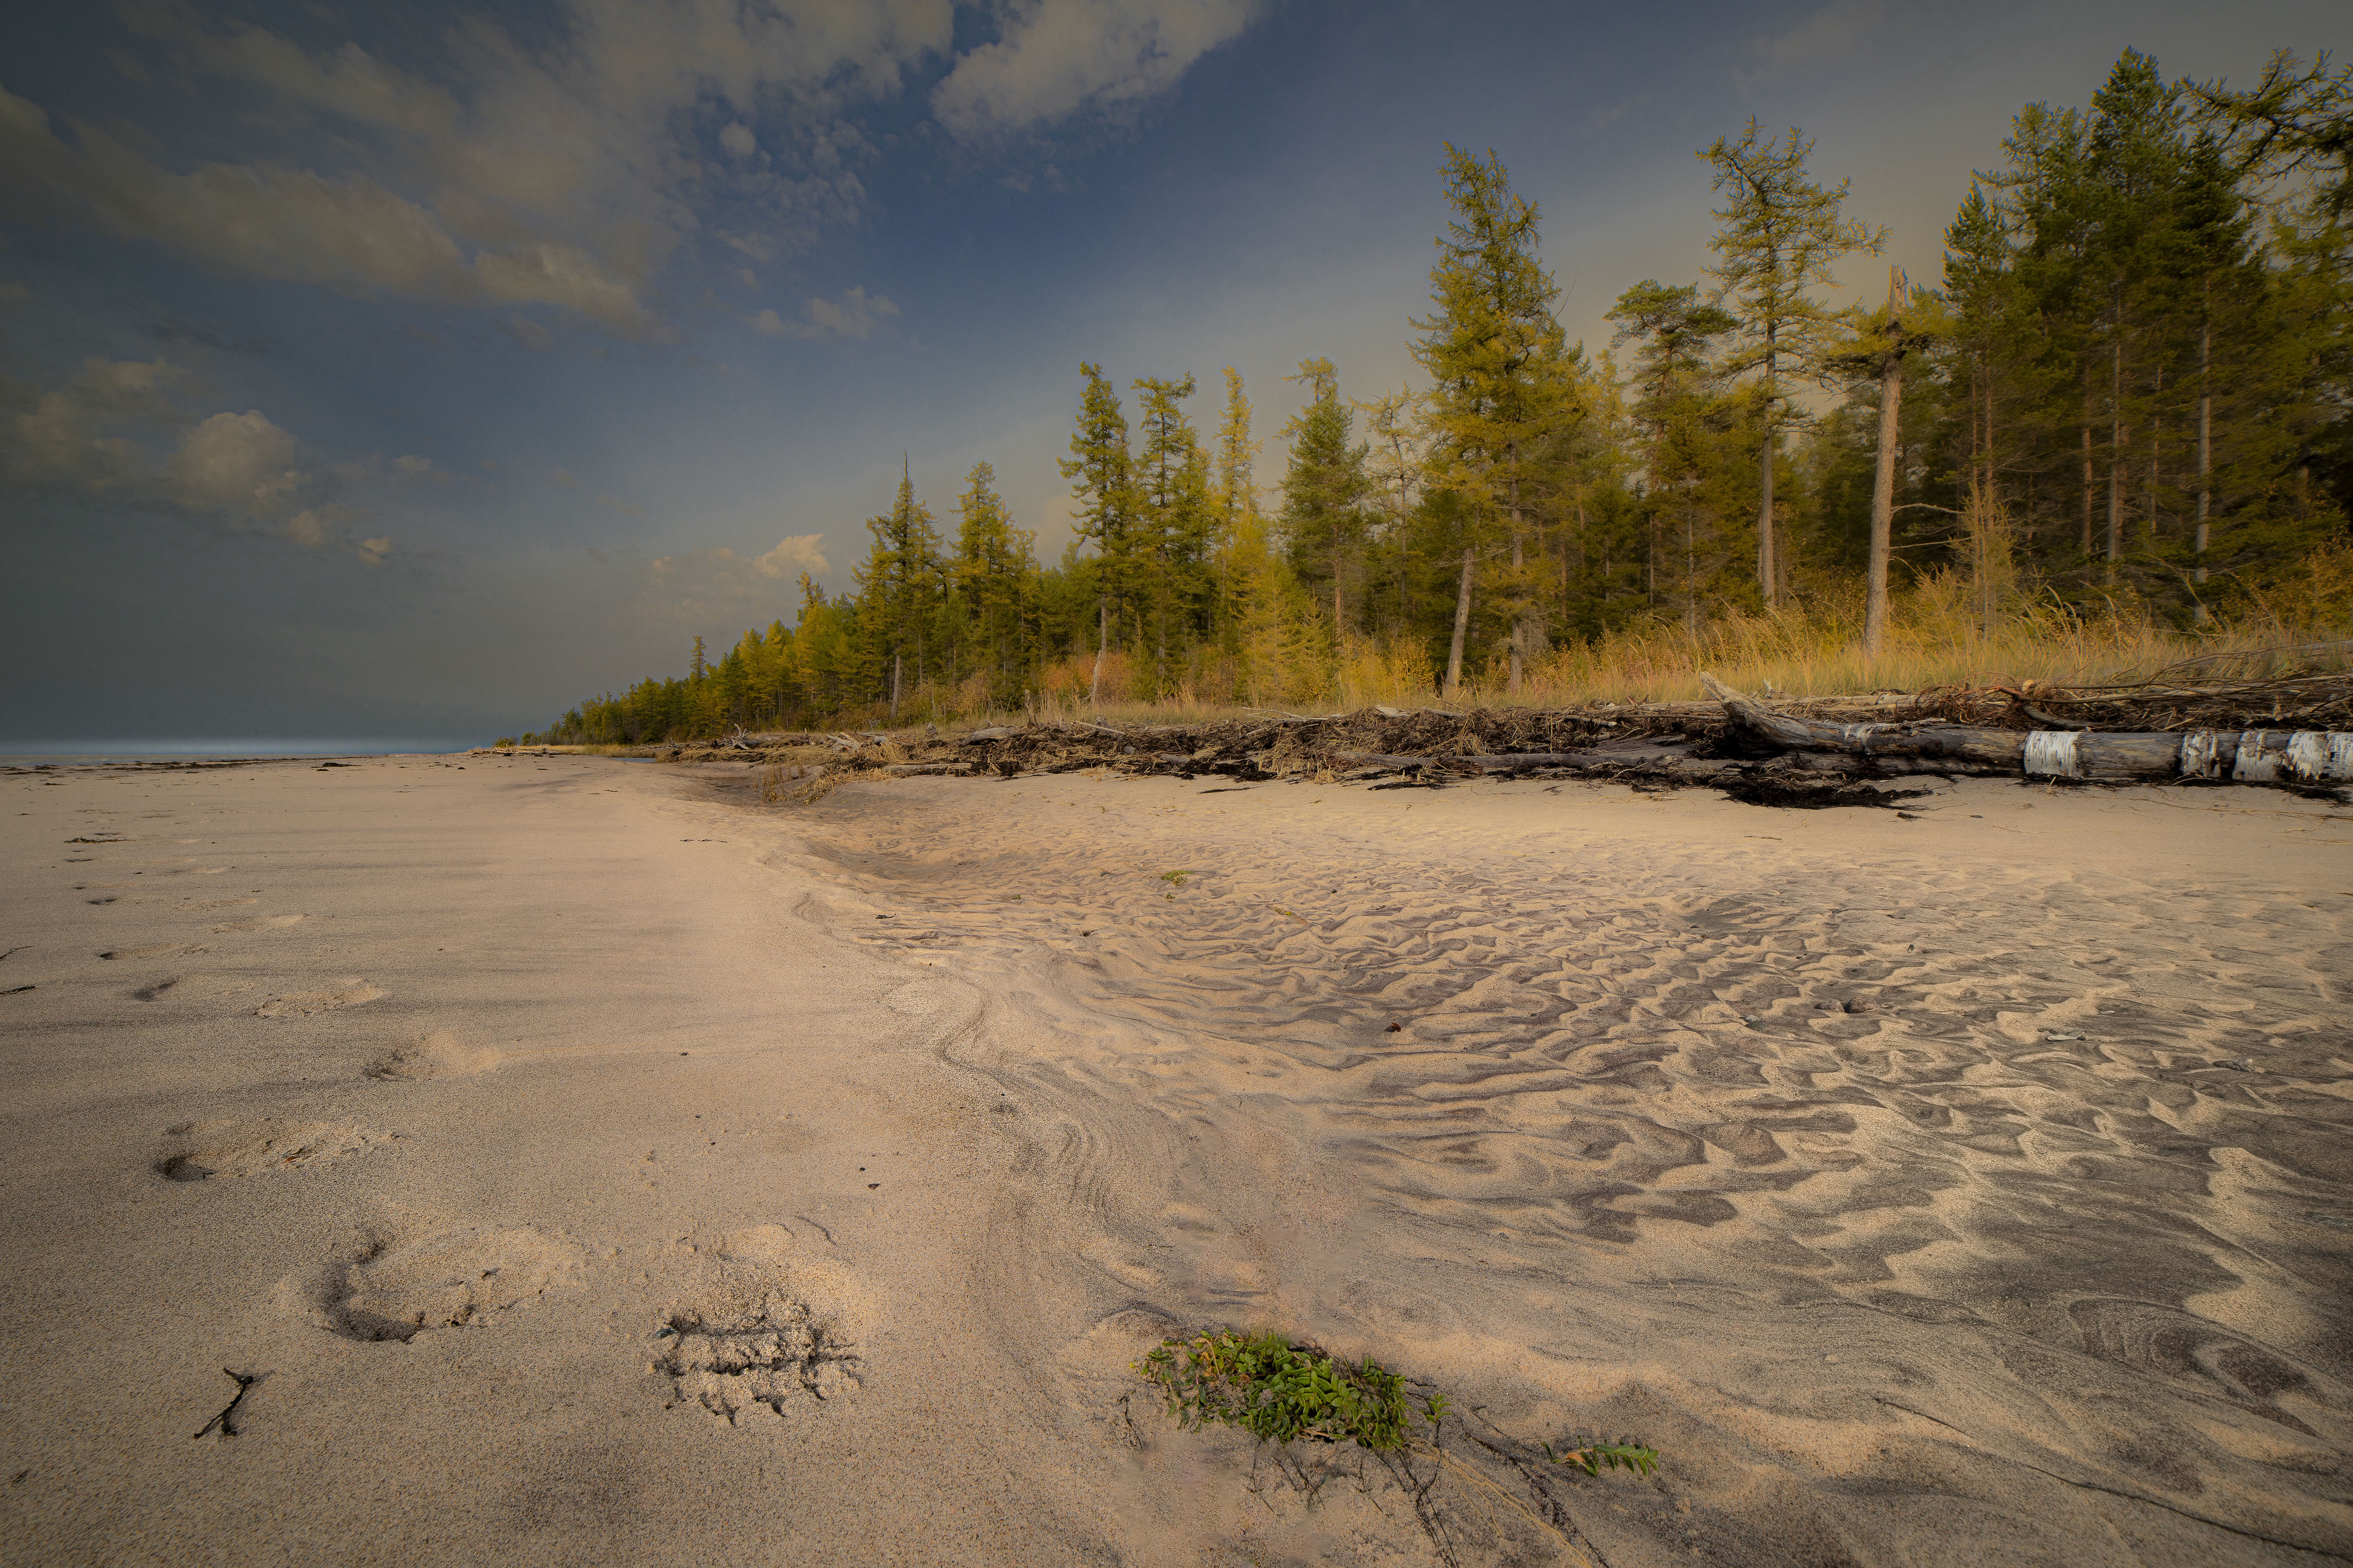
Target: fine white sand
{"type": "Point", "coordinates": [595, 1165]}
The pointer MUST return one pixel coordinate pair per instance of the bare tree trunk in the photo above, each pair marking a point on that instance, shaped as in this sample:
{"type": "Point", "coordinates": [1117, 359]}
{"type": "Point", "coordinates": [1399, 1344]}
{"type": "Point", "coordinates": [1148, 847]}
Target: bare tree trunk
{"type": "Point", "coordinates": [1102, 640]}
{"type": "Point", "coordinates": [898, 667]}
{"type": "Point", "coordinates": [1883, 483]}
{"type": "Point", "coordinates": [1767, 569]}
{"type": "Point", "coordinates": [1462, 625]}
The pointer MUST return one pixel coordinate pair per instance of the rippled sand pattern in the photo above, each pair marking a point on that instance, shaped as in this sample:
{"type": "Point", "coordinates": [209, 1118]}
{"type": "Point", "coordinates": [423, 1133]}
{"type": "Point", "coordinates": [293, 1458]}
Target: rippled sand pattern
{"type": "Point", "coordinates": [2021, 1154]}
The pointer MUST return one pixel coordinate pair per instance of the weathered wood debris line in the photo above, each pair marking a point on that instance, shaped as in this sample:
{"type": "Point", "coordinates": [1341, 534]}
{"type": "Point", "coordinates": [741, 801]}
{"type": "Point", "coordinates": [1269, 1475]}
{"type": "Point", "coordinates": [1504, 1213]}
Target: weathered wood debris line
{"type": "Point", "coordinates": [1807, 753]}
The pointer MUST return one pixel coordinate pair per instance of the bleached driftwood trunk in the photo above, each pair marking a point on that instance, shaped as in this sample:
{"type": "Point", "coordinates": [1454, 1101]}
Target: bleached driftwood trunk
{"type": "Point", "coordinates": [2248, 756]}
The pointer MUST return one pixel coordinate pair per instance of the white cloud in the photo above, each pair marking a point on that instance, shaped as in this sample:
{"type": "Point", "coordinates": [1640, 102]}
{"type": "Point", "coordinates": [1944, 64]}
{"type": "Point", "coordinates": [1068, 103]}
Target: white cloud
{"type": "Point", "coordinates": [237, 463]}
{"type": "Point", "coordinates": [738, 140]}
{"type": "Point", "coordinates": [119, 428]}
{"type": "Point", "coordinates": [855, 314]}
{"type": "Point", "coordinates": [792, 557]}
{"type": "Point", "coordinates": [1054, 58]}
{"type": "Point", "coordinates": [695, 584]}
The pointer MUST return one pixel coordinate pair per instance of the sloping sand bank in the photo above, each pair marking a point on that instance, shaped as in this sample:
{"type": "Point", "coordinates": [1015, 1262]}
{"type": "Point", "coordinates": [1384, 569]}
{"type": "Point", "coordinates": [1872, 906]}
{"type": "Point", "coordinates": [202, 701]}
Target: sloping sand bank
{"type": "Point", "coordinates": [604, 1168]}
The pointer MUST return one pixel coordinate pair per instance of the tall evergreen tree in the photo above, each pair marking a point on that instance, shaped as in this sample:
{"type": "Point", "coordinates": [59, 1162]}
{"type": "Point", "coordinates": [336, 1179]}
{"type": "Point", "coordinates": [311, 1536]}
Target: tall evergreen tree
{"type": "Point", "coordinates": [1778, 235]}
{"type": "Point", "coordinates": [900, 588]}
{"type": "Point", "coordinates": [1681, 406]}
{"type": "Point", "coordinates": [1502, 387]}
{"type": "Point", "coordinates": [995, 563]}
{"type": "Point", "coordinates": [1174, 526]}
{"type": "Point", "coordinates": [1103, 484]}
{"type": "Point", "coordinates": [1323, 489]}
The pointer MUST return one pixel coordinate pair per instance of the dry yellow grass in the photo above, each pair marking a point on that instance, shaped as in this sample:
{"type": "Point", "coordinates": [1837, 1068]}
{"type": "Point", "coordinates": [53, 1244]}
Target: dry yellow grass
{"type": "Point", "coordinates": [1937, 638]}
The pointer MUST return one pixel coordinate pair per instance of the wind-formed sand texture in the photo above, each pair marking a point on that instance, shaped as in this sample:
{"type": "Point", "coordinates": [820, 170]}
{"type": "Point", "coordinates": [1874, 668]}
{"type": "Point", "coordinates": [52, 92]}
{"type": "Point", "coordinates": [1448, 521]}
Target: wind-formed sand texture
{"type": "Point", "coordinates": [678, 1177]}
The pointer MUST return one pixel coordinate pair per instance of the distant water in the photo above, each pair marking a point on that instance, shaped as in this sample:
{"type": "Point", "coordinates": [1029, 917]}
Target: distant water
{"type": "Point", "coordinates": [22, 752]}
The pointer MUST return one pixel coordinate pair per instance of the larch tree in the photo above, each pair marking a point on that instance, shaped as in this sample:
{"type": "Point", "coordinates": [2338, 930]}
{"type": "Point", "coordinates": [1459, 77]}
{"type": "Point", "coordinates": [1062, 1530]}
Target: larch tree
{"type": "Point", "coordinates": [994, 563]}
{"type": "Point", "coordinates": [901, 586]}
{"type": "Point", "coordinates": [1393, 466]}
{"type": "Point", "coordinates": [1174, 523]}
{"type": "Point", "coordinates": [1502, 382]}
{"type": "Point", "coordinates": [1678, 396]}
{"type": "Point", "coordinates": [1779, 233]}
{"type": "Point", "coordinates": [1884, 341]}
{"type": "Point", "coordinates": [1103, 484]}
{"type": "Point", "coordinates": [1234, 493]}
{"type": "Point", "coordinates": [1324, 489]}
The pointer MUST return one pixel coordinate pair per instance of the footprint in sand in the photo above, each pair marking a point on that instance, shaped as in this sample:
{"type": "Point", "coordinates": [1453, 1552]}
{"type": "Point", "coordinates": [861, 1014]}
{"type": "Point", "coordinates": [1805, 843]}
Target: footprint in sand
{"type": "Point", "coordinates": [773, 1329]}
{"type": "Point", "coordinates": [204, 1150]}
{"type": "Point", "coordinates": [452, 1279]}
{"type": "Point", "coordinates": [439, 1054]}
{"type": "Point", "coordinates": [305, 1003]}
{"type": "Point", "coordinates": [158, 951]}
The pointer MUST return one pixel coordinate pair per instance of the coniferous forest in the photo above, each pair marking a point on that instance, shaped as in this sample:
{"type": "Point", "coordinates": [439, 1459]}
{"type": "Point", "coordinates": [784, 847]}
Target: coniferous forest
{"type": "Point", "coordinates": [2124, 404]}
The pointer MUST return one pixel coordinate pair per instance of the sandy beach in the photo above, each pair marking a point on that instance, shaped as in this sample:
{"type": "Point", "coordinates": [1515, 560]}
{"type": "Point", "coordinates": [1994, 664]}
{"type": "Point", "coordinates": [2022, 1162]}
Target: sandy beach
{"type": "Point", "coordinates": [589, 1164]}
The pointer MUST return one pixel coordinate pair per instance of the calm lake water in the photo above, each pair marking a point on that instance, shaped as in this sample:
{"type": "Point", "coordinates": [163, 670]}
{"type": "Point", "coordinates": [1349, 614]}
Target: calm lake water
{"type": "Point", "coordinates": [22, 754]}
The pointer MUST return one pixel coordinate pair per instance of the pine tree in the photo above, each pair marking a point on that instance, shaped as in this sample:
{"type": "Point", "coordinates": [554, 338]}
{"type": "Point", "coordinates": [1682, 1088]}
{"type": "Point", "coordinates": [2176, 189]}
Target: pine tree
{"type": "Point", "coordinates": [1779, 233]}
{"type": "Point", "coordinates": [1394, 470]}
{"type": "Point", "coordinates": [1104, 488]}
{"type": "Point", "coordinates": [1680, 404]}
{"type": "Point", "coordinates": [1502, 384]}
{"type": "Point", "coordinates": [901, 586]}
{"type": "Point", "coordinates": [1233, 502]}
{"type": "Point", "coordinates": [992, 570]}
{"type": "Point", "coordinates": [1323, 489]}
{"type": "Point", "coordinates": [1174, 523]}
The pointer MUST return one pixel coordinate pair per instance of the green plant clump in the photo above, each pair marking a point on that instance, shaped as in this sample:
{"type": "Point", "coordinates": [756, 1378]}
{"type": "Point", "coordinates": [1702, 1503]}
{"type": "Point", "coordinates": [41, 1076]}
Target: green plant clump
{"type": "Point", "coordinates": [1596, 1458]}
{"type": "Point", "coordinates": [1279, 1391]}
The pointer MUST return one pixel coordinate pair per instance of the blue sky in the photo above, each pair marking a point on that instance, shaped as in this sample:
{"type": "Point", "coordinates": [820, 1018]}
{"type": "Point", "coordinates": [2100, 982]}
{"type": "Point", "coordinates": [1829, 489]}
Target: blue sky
{"type": "Point", "coordinates": [418, 370]}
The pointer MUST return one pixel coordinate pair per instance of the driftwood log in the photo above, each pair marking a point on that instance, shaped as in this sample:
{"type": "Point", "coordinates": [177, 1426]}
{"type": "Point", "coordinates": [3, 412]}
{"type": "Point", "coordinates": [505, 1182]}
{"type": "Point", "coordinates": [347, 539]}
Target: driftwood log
{"type": "Point", "coordinates": [2245, 756]}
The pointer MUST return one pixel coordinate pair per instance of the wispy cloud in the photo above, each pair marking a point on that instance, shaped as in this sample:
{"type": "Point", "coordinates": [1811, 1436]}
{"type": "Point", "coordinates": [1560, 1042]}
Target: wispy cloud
{"type": "Point", "coordinates": [855, 314]}
{"type": "Point", "coordinates": [1830, 33]}
{"type": "Point", "coordinates": [558, 173]}
{"type": "Point", "coordinates": [1056, 58]}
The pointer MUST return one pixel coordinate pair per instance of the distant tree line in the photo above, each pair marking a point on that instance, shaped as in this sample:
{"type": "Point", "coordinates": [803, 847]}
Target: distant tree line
{"type": "Point", "coordinates": [2132, 383]}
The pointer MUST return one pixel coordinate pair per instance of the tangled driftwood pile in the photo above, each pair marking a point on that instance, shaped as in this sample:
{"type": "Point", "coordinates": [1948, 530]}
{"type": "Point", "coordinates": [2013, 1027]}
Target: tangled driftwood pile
{"type": "Point", "coordinates": [1818, 751]}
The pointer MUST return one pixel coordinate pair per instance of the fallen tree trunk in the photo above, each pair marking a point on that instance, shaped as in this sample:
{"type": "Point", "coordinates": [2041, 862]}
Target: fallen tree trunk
{"type": "Point", "coordinates": [2245, 756]}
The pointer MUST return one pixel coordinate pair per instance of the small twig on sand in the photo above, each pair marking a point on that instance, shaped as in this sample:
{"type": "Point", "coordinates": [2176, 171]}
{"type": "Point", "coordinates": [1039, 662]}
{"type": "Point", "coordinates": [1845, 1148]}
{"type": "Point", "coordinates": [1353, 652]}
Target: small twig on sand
{"type": "Point", "coordinates": [227, 1419]}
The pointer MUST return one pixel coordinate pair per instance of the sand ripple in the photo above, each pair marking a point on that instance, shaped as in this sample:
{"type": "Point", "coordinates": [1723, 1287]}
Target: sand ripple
{"type": "Point", "coordinates": [2071, 1148]}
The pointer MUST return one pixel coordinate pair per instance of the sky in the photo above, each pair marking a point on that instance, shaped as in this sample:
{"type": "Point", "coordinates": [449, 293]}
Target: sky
{"type": "Point", "coordinates": [418, 370]}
